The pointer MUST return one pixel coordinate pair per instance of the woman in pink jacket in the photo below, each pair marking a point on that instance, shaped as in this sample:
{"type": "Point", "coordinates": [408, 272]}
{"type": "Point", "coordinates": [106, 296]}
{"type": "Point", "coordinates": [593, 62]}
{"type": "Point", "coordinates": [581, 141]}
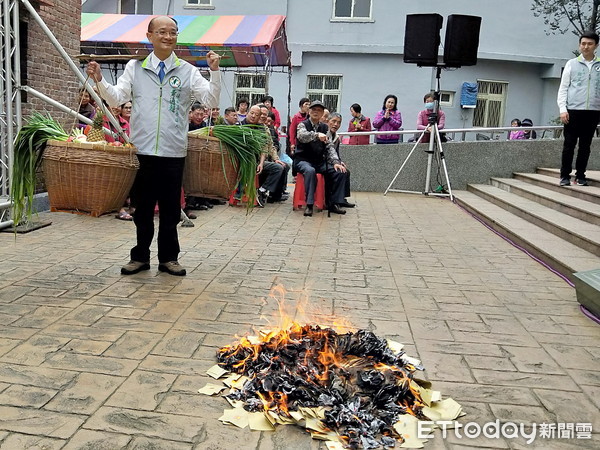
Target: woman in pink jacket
{"type": "Point", "coordinates": [358, 123]}
{"type": "Point", "coordinates": [388, 119]}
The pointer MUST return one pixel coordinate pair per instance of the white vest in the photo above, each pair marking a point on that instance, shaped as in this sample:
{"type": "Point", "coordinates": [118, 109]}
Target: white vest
{"type": "Point", "coordinates": [159, 120]}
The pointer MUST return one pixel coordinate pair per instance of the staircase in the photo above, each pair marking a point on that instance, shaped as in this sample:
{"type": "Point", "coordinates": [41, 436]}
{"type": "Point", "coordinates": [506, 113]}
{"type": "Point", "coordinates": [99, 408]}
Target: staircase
{"type": "Point", "coordinates": [558, 225]}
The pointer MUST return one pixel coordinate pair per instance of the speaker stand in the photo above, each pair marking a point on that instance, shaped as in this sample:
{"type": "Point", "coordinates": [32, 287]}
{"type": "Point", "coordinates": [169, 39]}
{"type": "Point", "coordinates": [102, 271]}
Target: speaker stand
{"type": "Point", "coordinates": [435, 148]}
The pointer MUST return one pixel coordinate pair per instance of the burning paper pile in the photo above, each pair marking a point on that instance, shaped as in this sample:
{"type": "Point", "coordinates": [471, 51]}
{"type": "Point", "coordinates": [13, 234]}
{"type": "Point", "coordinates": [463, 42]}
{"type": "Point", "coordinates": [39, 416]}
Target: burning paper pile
{"type": "Point", "coordinates": [351, 389]}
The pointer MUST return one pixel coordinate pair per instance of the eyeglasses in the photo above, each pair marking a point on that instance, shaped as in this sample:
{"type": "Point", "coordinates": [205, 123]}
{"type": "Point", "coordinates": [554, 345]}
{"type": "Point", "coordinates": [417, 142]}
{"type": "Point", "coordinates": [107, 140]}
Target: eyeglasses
{"type": "Point", "coordinates": [163, 33]}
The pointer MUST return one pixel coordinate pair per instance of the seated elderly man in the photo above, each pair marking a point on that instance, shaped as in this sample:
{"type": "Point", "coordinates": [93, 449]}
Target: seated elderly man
{"type": "Point", "coordinates": [269, 172]}
{"type": "Point", "coordinates": [334, 123]}
{"type": "Point", "coordinates": [315, 154]}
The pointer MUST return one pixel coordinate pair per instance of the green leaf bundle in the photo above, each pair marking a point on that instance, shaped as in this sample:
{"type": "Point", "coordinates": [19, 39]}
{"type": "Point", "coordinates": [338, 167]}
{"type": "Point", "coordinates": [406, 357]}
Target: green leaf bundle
{"type": "Point", "coordinates": [246, 143]}
{"type": "Point", "coordinates": [28, 150]}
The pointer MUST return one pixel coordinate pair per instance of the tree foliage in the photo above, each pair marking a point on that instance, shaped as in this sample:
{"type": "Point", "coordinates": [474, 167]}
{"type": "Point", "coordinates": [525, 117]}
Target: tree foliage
{"type": "Point", "coordinates": [561, 16]}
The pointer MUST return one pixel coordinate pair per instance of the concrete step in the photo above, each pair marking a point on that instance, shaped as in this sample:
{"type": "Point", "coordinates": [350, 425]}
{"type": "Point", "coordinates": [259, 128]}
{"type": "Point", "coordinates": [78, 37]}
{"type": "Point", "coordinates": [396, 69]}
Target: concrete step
{"type": "Point", "coordinates": [560, 255]}
{"type": "Point", "coordinates": [587, 193]}
{"type": "Point", "coordinates": [558, 201]}
{"type": "Point", "coordinates": [575, 231]}
{"type": "Point", "coordinates": [593, 176]}
{"type": "Point", "coordinates": [587, 286]}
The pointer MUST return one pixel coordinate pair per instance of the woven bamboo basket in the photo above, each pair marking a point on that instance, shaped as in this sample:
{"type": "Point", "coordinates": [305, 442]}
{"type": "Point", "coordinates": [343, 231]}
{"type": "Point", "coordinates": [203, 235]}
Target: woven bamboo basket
{"type": "Point", "coordinates": [88, 178]}
{"type": "Point", "coordinates": [208, 171]}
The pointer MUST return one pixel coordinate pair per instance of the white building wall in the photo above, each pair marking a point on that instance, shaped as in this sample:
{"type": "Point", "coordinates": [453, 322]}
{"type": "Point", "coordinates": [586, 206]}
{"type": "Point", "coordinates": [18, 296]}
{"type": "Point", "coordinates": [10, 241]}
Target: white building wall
{"type": "Point", "coordinates": [513, 47]}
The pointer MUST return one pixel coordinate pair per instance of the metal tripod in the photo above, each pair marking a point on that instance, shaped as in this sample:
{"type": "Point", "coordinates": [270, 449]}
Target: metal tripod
{"type": "Point", "coordinates": [435, 148]}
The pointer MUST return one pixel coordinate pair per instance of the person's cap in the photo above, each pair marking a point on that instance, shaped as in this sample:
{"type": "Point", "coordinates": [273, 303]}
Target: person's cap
{"type": "Point", "coordinates": [317, 103]}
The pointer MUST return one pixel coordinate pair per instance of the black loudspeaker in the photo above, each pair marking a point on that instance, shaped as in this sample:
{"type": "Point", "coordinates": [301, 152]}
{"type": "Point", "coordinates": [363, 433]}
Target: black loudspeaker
{"type": "Point", "coordinates": [462, 40]}
{"type": "Point", "coordinates": [422, 39]}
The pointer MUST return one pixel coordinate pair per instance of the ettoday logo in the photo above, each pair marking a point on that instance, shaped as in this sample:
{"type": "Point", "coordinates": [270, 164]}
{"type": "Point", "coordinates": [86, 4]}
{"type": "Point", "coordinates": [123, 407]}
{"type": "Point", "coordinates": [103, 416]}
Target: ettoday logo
{"type": "Point", "coordinates": [507, 430]}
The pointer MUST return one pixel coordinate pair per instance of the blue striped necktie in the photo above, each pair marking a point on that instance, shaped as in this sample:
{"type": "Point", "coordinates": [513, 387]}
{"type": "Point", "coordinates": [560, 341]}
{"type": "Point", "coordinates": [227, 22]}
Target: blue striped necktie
{"type": "Point", "coordinates": [161, 71]}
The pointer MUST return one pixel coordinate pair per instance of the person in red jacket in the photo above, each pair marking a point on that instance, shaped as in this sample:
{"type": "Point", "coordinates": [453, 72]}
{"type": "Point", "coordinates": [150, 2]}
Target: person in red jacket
{"type": "Point", "coordinates": [300, 116]}
{"type": "Point", "coordinates": [358, 122]}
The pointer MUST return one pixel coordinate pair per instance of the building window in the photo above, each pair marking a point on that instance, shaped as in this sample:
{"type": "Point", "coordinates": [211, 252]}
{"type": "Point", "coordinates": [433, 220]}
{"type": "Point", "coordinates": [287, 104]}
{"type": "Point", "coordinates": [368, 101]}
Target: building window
{"type": "Point", "coordinates": [326, 88]}
{"type": "Point", "coordinates": [253, 86]}
{"type": "Point", "coordinates": [447, 98]}
{"type": "Point", "coordinates": [352, 9]}
{"type": "Point", "coordinates": [199, 3]}
{"type": "Point", "coordinates": [136, 7]}
{"type": "Point", "coordinates": [491, 102]}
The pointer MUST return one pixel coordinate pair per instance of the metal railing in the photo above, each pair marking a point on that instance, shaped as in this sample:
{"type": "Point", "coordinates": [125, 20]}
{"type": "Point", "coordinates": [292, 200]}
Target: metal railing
{"type": "Point", "coordinates": [469, 134]}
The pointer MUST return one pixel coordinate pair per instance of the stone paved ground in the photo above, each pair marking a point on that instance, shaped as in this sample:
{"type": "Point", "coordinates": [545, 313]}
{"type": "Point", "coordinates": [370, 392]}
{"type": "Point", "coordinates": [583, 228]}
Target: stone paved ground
{"type": "Point", "coordinates": [92, 359]}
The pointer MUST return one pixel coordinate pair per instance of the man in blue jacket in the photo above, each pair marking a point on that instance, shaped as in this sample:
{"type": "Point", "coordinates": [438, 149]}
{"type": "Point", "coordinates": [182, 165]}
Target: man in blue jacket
{"type": "Point", "coordinates": [160, 89]}
{"type": "Point", "coordinates": [579, 105]}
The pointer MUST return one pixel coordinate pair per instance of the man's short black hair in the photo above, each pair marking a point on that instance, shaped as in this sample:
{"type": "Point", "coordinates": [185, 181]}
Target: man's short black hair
{"type": "Point", "coordinates": [229, 110]}
{"type": "Point", "coordinates": [151, 23]}
{"type": "Point", "coordinates": [590, 35]}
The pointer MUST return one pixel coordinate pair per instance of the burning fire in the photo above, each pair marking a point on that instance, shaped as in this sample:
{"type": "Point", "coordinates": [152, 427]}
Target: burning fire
{"type": "Point", "coordinates": [357, 384]}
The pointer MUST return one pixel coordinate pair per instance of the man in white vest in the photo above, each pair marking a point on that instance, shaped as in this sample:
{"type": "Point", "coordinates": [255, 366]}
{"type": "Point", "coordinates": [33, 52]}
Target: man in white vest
{"type": "Point", "coordinates": [579, 105]}
{"type": "Point", "coordinates": [160, 88]}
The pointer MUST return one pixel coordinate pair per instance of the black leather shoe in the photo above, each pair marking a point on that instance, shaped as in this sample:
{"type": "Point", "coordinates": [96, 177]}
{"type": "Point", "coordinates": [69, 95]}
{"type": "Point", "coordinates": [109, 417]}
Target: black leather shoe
{"type": "Point", "coordinates": [308, 211]}
{"type": "Point", "coordinates": [346, 204]}
{"type": "Point", "coordinates": [335, 209]}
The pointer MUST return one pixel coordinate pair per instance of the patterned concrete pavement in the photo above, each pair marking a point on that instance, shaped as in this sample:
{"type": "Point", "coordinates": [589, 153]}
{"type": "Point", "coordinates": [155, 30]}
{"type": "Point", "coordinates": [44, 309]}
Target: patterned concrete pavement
{"type": "Point", "coordinates": [92, 359]}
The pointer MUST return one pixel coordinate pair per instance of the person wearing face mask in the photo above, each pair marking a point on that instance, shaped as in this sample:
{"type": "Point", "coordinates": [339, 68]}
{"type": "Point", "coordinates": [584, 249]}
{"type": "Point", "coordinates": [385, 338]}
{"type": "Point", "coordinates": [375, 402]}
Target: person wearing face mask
{"type": "Point", "coordinates": [423, 118]}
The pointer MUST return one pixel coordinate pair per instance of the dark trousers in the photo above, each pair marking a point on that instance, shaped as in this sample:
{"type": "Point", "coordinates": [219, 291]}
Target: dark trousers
{"type": "Point", "coordinates": [270, 176]}
{"type": "Point", "coordinates": [282, 184]}
{"type": "Point", "coordinates": [582, 125]}
{"type": "Point", "coordinates": [159, 180]}
{"type": "Point", "coordinates": [347, 184]}
{"type": "Point", "coordinates": [335, 181]}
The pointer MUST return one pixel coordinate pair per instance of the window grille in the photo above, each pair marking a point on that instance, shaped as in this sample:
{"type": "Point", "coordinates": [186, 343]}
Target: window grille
{"type": "Point", "coordinates": [136, 6]}
{"type": "Point", "coordinates": [326, 88]}
{"type": "Point", "coordinates": [491, 102]}
{"type": "Point", "coordinates": [253, 86]}
{"type": "Point", "coordinates": [352, 9]}
{"type": "Point", "coordinates": [198, 3]}
{"type": "Point", "coordinates": [447, 98]}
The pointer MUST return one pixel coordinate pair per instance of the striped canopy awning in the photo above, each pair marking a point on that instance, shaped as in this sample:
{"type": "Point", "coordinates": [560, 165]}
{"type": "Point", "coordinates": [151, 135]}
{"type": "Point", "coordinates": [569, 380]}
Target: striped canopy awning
{"type": "Point", "coordinates": [245, 41]}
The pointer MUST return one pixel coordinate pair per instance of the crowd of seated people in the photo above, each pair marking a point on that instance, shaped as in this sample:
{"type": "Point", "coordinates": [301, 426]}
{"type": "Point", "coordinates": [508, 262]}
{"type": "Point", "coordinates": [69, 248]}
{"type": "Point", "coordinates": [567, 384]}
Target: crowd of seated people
{"type": "Point", "coordinates": [313, 146]}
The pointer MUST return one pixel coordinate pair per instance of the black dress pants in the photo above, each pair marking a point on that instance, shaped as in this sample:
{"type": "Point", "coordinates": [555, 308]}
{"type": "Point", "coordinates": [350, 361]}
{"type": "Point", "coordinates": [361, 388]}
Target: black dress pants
{"type": "Point", "coordinates": [335, 182]}
{"type": "Point", "coordinates": [158, 180]}
{"type": "Point", "coordinates": [582, 125]}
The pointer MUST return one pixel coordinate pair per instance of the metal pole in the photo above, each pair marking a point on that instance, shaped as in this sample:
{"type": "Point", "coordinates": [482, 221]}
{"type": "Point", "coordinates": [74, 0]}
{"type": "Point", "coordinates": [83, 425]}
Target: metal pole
{"type": "Point", "coordinates": [17, 68]}
{"type": "Point", "coordinates": [4, 147]}
{"type": "Point", "coordinates": [9, 40]}
{"type": "Point", "coordinates": [64, 108]}
{"type": "Point", "coordinates": [56, 104]}
{"type": "Point", "coordinates": [443, 160]}
{"type": "Point", "coordinates": [389, 188]}
{"type": "Point", "coordinates": [6, 224]}
{"type": "Point", "coordinates": [432, 143]}
{"type": "Point", "coordinates": [72, 65]}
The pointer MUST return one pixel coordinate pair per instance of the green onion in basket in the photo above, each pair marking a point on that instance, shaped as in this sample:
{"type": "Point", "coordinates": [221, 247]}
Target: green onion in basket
{"type": "Point", "coordinates": [246, 143]}
{"type": "Point", "coordinates": [29, 147]}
